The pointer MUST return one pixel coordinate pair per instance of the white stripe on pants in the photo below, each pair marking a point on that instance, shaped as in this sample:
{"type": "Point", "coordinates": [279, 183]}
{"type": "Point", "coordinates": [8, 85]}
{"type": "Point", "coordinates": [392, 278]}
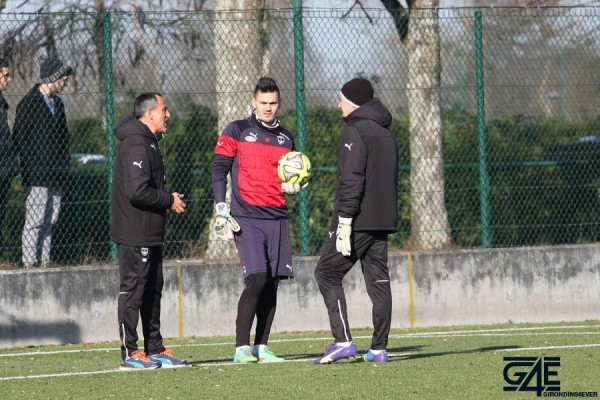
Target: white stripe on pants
{"type": "Point", "coordinates": [41, 212]}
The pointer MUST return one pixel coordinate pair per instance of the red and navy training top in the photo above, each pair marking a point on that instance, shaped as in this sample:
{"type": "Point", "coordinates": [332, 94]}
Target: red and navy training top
{"type": "Point", "coordinates": [251, 152]}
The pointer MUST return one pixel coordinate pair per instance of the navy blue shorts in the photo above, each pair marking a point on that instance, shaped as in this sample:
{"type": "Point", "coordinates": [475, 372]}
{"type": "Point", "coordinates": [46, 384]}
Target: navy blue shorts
{"type": "Point", "coordinates": [264, 246]}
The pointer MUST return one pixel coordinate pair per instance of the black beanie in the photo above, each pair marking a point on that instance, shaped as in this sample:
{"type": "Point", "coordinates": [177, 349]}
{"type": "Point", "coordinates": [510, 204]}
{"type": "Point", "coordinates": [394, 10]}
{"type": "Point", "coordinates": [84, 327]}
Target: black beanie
{"type": "Point", "coordinates": [357, 91]}
{"type": "Point", "coordinates": [52, 69]}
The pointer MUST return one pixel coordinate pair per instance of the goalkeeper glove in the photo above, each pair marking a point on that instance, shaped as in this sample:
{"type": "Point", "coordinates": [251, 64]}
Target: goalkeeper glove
{"type": "Point", "coordinates": [225, 225]}
{"type": "Point", "coordinates": [344, 230]}
{"type": "Point", "coordinates": [292, 188]}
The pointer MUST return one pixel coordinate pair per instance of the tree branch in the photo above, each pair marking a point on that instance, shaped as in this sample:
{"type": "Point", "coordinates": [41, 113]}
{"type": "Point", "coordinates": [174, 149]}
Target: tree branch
{"type": "Point", "coordinates": [361, 6]}
{"type": "Point", "coordinates": [399, 14]}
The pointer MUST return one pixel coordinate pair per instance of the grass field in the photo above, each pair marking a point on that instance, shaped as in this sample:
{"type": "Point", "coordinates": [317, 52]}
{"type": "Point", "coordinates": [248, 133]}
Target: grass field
{"type": "Point", "coordinates": [436, 363]}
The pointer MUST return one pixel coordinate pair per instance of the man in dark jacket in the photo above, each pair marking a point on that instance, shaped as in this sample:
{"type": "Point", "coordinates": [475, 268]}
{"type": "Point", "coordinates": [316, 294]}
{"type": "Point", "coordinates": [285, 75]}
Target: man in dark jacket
{"type": "Point", "coordinates": [8, 158]}
{"type": "Point", "coordinates": [139, 202]}
{"type": "Point", "coordinates": [42, 139]}
{"type": "Point", "coordinates": [365, 212]}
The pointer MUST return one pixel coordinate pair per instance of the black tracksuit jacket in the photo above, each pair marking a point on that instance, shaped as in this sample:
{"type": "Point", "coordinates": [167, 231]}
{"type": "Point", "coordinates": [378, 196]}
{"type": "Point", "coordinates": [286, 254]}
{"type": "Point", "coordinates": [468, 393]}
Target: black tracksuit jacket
{"type": "Point", "coordinates": [139, 200]}
{"type": "Point", "coordinates": [367, 188]}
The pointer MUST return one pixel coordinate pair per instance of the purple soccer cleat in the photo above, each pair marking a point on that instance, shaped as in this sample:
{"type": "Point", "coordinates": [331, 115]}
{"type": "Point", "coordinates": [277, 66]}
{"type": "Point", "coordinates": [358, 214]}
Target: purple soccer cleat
{"type": "Point", "coordinates": [369, 356]}
{"type": "Point", "coordinates": [336, 352]}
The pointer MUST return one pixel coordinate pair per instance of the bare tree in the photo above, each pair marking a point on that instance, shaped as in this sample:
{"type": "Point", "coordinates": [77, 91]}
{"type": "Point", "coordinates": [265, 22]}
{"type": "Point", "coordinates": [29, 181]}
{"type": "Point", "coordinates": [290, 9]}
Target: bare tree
{"type": "Point", "coordinates": [79, 32]}
{"type": "Point", "coordinates": [239, 60]}
{"type": "Point", "coordinates": [429, 218]}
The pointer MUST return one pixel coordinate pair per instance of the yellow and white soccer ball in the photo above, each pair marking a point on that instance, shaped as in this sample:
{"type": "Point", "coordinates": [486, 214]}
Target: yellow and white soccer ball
{"type": "Point", "coordinates": [294, 167]}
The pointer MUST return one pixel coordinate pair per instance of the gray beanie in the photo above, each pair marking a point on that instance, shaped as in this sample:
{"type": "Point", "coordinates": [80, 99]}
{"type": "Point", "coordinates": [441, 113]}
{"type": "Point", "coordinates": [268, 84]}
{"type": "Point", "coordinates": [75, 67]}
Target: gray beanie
{"type": "Point", "coordinates": [52, 69]}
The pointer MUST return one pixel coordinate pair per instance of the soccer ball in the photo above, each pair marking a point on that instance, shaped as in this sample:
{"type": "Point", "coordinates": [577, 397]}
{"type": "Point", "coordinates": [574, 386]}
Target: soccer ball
{"type": "Point", "coordinates": [293, 167]}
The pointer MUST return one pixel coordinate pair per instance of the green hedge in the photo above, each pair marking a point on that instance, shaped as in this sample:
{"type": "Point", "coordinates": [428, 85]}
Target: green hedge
{"type": "Point", "coordinates": [544, 179]}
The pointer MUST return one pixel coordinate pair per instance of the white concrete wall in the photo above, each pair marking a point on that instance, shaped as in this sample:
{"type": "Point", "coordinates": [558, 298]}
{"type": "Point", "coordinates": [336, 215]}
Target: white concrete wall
{"type": "Point", "coordinates": [72, 305]}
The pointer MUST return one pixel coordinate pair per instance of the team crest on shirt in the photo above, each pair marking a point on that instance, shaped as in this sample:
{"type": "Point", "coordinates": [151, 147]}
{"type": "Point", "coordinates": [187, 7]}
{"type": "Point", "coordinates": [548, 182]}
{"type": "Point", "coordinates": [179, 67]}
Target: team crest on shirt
{"type": "Point", "coordinates": [144, 251]}
{"type": "Point", "coordinates": [280, 140]}
{"type": "Point", "coordinates": [252, 137]}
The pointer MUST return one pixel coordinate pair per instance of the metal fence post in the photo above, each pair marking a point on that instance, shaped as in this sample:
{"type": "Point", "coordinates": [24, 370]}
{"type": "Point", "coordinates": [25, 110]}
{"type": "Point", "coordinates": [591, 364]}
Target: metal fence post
{"type": "Point", "coordinates": [484, 178]}
{"type": "Point", "coordinates": [300, 118]}
{"type": "Point", "coordinates": [110, 111]}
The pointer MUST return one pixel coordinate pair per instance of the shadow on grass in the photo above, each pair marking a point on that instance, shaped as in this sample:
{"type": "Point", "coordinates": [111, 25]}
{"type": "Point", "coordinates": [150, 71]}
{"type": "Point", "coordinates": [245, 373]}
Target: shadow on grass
{"type": "Point", "coordinates": [210, 361]}
{"type": "Point", "coordinates": [446, 353]}
{"type": "Point", "coordinates": [293, 357]}
{"type": "Point", "coordinates": [393, 352]}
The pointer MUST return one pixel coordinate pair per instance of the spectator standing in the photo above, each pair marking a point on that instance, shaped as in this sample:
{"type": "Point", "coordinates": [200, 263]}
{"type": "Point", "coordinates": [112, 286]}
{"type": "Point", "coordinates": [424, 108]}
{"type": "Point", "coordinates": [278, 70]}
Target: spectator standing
{"type": "Point", "coordinates": [250, 149]}
{"type": "Point", "coordinates": [139, 204]}
{"type": "Point", "coordinates": [365, 212]}
{"type": "Point", "coordinates": [9, 163]}
{"type": "Point", "coordinates": [42, 139]}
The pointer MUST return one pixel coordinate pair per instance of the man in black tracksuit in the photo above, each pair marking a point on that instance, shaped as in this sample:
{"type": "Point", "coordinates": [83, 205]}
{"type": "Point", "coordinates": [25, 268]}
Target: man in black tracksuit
{"type": "Point", "coordinates": [365, 213]}
{"type": "Point", "coordinates": [139, 203]}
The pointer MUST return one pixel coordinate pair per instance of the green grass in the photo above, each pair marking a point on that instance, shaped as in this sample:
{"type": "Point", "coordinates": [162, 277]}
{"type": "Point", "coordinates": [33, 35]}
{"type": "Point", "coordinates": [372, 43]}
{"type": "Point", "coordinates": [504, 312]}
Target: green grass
{"type": "Point", "coordinates": [434, 363]}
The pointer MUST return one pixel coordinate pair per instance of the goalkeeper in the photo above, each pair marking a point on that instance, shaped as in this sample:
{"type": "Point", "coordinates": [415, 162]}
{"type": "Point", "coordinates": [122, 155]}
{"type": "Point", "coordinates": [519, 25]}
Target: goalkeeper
{"type": "Point", "coordinates": [365, 212]}
{"type": "Point", "coordinates": [250, 149]}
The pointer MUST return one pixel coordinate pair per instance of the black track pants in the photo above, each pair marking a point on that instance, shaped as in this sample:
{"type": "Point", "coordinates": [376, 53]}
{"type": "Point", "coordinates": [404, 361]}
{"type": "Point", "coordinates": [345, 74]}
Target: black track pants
{"type": "Point", "coordinates": [140, 291]}
{"type": "Point", "coordinates": [371, 249]}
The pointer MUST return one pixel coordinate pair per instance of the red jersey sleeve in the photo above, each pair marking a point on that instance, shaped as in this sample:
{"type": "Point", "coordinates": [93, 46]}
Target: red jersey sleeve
{"type": "Point", "coordinates": [226, 146]}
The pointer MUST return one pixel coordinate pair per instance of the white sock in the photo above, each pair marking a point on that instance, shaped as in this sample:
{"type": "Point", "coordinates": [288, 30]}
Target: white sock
{"type": "Point", "coordinates": [241, 347]}
{"type": "Point", "coordinates": [259, 348]}
{"type": "Point", "coordinates": [343, 344]}
{"type": "Point", "coordinates": [377, 351]}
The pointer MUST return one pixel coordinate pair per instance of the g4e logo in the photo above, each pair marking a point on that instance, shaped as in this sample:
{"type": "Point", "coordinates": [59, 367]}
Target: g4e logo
{"type": "Point", "coordinates": [531, 374]}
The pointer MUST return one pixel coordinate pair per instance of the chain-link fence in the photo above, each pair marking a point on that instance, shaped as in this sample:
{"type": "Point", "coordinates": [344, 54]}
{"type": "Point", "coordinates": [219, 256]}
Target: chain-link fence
{"type": "Point", "coordinates": [518, 100]}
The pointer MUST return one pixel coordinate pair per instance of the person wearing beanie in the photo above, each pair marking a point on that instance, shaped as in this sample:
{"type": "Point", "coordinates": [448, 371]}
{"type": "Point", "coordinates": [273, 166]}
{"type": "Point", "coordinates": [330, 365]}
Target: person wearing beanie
{"type": "Point", "coordinates": [365, 213]}
{"type": "Point", "coordinates": [9, 163]}
{"type": "Point", "coordinates": [42, 140]}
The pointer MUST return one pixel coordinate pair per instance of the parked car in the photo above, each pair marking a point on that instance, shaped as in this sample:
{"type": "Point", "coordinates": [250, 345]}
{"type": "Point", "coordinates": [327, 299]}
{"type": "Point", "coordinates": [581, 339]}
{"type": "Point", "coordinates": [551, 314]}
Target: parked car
{"type": "Point", "coordinates": [90, 159]}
